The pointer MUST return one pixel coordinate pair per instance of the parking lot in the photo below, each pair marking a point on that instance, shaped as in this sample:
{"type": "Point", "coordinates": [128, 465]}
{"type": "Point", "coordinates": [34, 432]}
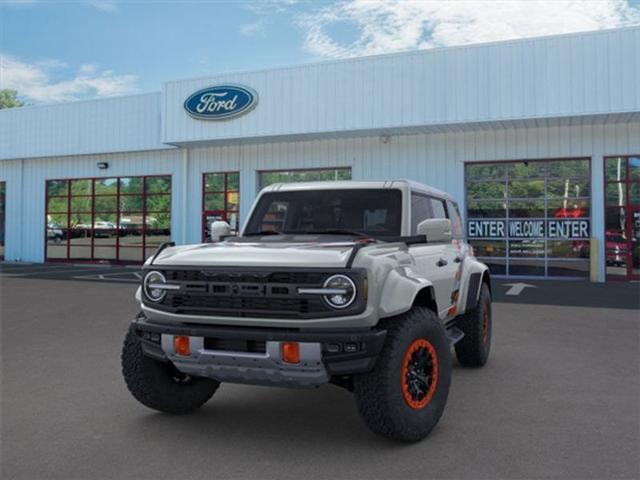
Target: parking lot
{"type": "Point", "coordinates": [559, 398]}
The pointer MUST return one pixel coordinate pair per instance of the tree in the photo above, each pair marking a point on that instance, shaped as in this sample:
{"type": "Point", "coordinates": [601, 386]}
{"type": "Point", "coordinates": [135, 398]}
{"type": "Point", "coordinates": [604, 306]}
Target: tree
{"type": "Point", "coordinates": [9, 99]}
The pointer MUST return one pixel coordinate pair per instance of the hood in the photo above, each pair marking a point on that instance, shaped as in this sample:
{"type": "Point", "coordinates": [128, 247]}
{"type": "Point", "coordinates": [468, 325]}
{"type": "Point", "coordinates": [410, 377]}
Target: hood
{"type": "Point", "coordinates": [259, 254]}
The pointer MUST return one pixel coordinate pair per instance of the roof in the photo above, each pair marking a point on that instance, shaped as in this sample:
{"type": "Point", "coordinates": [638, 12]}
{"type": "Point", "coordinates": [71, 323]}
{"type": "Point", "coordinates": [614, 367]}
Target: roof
{"type": "Point", "coordinates": [351, 184]}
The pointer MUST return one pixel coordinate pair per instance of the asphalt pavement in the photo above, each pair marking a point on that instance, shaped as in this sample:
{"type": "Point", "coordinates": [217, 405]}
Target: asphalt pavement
{"type": "Point", "coordinates": [559, 398]}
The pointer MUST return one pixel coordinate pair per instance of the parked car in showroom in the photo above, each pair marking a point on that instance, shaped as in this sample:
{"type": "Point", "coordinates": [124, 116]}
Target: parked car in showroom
{"type": "Point", "coordinates": [54, 232]}
{"type": "Point", "coordinates": [366, 285]}
{"type": "Point", "coordinates": [104, 229]}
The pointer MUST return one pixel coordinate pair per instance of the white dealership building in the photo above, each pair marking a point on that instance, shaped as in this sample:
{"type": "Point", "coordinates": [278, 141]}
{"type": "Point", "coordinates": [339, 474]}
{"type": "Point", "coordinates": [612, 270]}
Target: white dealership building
{"type": "Point", "coordinates": [538, 140]}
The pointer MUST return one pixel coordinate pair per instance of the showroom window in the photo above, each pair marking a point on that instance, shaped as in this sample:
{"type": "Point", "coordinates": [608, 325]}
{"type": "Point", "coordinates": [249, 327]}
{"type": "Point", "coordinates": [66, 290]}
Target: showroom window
{"type": "Point", "coordinates": [220, 201]}
{"type": "Point", "coordinates": [622, 217]}
{"type": "Point", "coordinates": [266, 178]}
{"type": "Point", "coordinates": [530, 218]}
{"type": "Point", "coordinates": [121, 219]}
{"type": "Point", "coordinates": [3, 188]}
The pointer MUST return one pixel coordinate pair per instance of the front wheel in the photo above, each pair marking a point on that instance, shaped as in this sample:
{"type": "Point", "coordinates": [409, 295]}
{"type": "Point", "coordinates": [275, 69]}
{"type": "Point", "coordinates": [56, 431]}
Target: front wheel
{"type": "Point", "coordinates": [404, 396]}
{"type": "Point", "coordinates": [159, 385]}
{"type": "Point", "coordinates": [473, 349]}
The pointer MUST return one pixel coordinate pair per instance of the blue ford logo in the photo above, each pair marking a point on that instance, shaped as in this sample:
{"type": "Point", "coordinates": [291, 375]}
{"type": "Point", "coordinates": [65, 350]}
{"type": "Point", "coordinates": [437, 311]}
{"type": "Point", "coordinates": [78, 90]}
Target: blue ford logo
{"type": "Point", "coordinates": [221, 102]}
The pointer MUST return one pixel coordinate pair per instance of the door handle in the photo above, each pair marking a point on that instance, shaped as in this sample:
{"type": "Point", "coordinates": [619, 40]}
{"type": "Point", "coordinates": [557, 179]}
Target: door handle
{"type": "Point", "coordinates": [442, 262]}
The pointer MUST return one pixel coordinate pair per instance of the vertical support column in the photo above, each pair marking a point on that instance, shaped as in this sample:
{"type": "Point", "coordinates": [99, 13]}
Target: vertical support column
{"type": "Point", "coordinates": [248, 181]}
{"type": "Point", "coordinates": [184, 210]}
{"type": "Point", "coordinates": [597, 216]}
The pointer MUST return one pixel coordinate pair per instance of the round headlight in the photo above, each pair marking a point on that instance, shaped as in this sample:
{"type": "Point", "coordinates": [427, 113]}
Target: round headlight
{"type": "Point", "coordinates": [345, 291]}
{"type": "Point", "coordinates": [151, 279]}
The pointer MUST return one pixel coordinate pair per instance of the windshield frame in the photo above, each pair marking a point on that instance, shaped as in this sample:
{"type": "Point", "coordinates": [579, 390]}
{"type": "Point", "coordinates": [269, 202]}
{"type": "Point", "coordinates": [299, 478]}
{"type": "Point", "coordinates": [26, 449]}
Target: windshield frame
{"type": "Point", "coordinates": [253, 231]}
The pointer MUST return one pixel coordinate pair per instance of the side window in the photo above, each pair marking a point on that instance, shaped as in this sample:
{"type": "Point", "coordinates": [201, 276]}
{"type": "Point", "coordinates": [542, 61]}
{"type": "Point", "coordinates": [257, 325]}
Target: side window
{"type": "Point", "coordinates": [456, 221]}
{"type": "Point", "coordinates": [420, 210]}
{"type": "Point", "coordinates": [438, 208]}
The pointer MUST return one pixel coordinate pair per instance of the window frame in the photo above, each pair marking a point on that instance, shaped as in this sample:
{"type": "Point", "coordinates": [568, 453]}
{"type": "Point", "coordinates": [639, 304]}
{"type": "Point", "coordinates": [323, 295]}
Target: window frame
{"type": "Point", "coordinates": [445, 205]}
{"type": "Point", "coordinates": [627, 207]}
{"type": "Point", "coordinates": [225, 192]}
{"type": "Point", "coordinates": [3, 216]}
{"type": "Point", "coordinates": [505, 178]}
{"type": "Point", "coordinates": [144, 213]}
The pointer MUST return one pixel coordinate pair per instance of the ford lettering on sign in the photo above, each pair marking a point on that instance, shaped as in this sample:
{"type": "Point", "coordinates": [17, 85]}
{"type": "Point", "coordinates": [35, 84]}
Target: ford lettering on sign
{"type": "Point", "coordinates": [221, 102]}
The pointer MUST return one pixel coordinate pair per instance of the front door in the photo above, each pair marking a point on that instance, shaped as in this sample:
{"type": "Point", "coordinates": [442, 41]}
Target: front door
{"type": "Point", "coordinates": [622, 217]}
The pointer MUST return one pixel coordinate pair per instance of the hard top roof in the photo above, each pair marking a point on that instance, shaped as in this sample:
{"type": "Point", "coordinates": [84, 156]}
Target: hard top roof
{"type": "Point", "coordinates": [351, 184]}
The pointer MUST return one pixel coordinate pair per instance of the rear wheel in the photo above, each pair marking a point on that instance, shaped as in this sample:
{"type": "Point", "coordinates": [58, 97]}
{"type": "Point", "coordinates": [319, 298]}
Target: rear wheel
{"type": "Point", "coordinates": [159, 385]}
{"type": "Point", "coordinates": [404, 396]}
{"type": "Point", "coordinates": [473, 350]}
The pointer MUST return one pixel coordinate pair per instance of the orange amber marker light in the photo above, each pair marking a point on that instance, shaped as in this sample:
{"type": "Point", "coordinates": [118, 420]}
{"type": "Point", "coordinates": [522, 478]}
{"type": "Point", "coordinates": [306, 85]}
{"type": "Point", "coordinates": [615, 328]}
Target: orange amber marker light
{"type": "Point", "coordinates": [291, 352]}
{"type": "Point", "coordinates": [181, 346]}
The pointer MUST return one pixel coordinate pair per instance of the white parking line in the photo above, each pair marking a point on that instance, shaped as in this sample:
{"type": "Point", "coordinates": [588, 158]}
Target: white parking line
{"type": "Point", "coordinates": [104, 278]}
{"type": "Point", "coordinates": [33, 269]}
{"type": "Point", "coordinates": [38, 272]}
{"type": "Point", "coordinates": [91, 265]}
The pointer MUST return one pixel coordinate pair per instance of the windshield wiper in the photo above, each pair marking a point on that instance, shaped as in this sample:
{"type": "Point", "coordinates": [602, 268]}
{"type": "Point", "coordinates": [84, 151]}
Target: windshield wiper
{"type": "Point", "coordinates": [262, 233]}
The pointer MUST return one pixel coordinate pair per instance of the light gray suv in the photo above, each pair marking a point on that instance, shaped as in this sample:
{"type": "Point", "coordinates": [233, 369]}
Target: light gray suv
{"type": "Point", "coordinates": [366, 285]}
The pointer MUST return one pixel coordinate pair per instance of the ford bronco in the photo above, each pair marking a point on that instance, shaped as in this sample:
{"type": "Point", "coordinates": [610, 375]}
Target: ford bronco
{"type": "Point", "coordinates": [366, 285]}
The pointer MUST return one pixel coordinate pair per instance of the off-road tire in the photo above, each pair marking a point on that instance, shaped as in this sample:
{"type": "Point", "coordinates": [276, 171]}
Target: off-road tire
{"type": "Point", "coordinates": [477, 325]}
{"type": "Point", "coordinates": [158, 385]}
{"type": "Point", "coordinates": [381, 394]}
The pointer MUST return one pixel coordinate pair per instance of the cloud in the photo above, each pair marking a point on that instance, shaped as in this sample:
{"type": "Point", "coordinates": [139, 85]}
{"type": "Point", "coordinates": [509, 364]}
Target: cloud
{"type": "Point", "coordinates": [39, 82]}
{"type": "Point", "coordinates": [264, 7]}
{"type": "Point", "coordinates": [108, 6]}
{"type": "Point", "coordinates": [384, 26]}
{"type": "Point", "coordinates": [253, 29]}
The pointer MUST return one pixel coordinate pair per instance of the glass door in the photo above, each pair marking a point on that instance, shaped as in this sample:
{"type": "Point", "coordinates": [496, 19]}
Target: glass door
{"type": "Point", "coordinates": [634, 247]}
{"type": "Point", "coordinates": [208, 217]}
{"type": "Point", "coordinates": [622, 218]}
{"type": "Point", "coordinates": [220, 201]}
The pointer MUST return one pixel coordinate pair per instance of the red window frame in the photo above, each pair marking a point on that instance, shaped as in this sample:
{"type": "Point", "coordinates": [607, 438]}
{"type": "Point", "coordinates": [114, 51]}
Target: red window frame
{"type": "Point", "coordinates": [628, 208]}
{"type": "Point", "coordinates": [226, 211]}
{"type": "Point", "coordinates": [144, 213]}
{"type": "Point", "coordinates": [3, 215]}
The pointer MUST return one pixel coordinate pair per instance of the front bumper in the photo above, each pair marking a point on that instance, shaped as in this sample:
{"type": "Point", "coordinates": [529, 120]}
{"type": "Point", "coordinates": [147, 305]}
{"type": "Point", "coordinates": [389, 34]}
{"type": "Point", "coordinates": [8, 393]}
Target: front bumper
{"type": "Point", "coordinates": [323, 354]}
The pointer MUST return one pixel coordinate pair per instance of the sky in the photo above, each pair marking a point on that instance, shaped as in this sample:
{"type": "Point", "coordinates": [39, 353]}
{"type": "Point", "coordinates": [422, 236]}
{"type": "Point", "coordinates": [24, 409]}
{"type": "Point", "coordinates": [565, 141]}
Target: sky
{"type": "Point", "coordinates": [58, 51]}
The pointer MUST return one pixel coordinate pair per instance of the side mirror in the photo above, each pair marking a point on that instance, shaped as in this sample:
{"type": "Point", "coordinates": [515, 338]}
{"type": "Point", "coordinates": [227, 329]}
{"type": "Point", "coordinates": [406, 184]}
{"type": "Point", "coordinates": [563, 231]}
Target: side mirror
{"type": "Point", "coordinates": [436, 229]}
{"type": "Point", "coordinates": [219, 229]}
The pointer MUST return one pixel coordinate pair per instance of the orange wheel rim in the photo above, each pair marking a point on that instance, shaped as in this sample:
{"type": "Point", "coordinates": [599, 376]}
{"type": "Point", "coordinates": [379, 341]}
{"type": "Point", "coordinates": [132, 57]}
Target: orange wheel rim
{"type": "Point", "coordinates": [419, 374]}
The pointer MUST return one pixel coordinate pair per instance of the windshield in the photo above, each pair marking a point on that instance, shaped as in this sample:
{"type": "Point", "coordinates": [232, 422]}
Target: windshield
{"type": "Point", "coordinates": [372, 212]}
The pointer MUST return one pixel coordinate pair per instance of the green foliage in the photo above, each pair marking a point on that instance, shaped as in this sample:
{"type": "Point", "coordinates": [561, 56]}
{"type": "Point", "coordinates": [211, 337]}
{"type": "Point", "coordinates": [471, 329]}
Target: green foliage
{"type": "Point", "coordinates": [9, 99]}
{"type": "Point", "coordinates": [267, 178]}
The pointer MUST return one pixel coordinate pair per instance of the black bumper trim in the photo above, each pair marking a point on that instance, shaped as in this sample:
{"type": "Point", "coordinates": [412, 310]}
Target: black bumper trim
{"type": "Point", "coordinates": [370, 342]}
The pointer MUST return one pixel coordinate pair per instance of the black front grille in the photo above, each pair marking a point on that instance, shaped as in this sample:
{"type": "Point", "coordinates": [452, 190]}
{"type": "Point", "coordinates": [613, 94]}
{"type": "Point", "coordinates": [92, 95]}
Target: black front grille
{"type": "Point", "coordinates": [238, 306]}
{"type": "Point", "coordinates": [255, 293]}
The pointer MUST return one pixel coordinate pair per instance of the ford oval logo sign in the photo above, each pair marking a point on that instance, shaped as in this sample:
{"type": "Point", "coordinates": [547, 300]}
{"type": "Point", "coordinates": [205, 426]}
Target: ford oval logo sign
{"type": "Point", "coordinates": [221, 102]}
